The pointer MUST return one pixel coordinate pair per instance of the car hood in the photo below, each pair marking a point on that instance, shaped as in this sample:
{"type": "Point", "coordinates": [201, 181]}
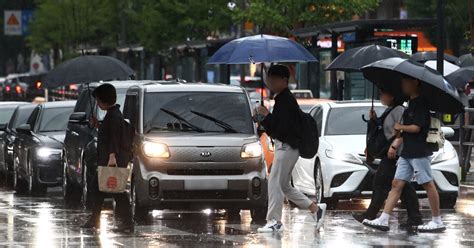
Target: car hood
{"type": "Point", "coordinates": [52, 139]}
{"type": "Point", "coordinates": [201, 139]}
{"type": "Point", "coordinates": [354, 144]}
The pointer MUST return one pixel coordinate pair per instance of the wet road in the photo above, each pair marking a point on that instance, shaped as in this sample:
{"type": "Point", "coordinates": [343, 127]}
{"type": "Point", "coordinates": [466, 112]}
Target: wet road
{"type": "Point", "coordinates": [44, 222]}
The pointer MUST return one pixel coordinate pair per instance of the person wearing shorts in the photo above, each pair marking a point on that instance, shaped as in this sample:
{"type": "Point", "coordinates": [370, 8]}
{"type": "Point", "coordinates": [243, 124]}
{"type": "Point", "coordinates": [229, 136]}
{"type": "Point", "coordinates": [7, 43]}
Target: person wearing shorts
{"type": "Point", "coordinates": [414, 161]}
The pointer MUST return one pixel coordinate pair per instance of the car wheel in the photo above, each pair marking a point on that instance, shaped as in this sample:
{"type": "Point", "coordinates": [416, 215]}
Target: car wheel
{"type": "Point", "coordinates": [86, 200]}
{"type": "Point", "coordinates": [140, 213]}
{"type": "Point", "coordinates": [259, 214]}
{"type": "Point", "coordinates": [448, 201]}
{"type": "Point", "coordinates": [19, 185]}
{"type": "Point", "coordinates": [35, 188]}
{"type": "Point", "coordinates": [319, 188]}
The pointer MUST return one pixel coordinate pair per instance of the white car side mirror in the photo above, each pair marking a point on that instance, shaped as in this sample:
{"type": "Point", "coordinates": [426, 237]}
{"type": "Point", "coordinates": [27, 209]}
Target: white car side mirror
{"type": "Point", "coordinates": [447, 131]}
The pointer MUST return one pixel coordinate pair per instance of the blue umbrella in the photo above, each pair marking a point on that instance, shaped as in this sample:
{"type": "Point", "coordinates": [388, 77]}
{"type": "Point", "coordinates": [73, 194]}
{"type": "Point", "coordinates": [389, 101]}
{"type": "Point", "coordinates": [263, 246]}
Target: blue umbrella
{"type": "Point", "coordinates": [261, 48]}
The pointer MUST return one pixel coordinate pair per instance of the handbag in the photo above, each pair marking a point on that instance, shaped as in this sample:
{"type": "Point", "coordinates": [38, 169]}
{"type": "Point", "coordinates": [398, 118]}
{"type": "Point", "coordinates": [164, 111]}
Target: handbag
{"type": "Point", "coordinates": [113, 179]}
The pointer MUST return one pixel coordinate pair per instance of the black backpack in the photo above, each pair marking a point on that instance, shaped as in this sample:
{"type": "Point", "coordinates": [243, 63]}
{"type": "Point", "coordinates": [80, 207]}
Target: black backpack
{"type": "Point", "coordinates": [309, 136]}
{"type": "Point", "coordinates": [126, 141]}
{"type": "Point", "coordinates": [377, 144]}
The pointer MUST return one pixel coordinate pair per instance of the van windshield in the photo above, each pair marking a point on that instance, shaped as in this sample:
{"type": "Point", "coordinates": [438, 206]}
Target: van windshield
{"type": "Point", "coordinates": [197, 112]}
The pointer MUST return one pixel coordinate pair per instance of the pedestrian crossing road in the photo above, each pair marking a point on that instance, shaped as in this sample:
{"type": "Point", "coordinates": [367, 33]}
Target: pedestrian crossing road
{"type": "Point", "coordinates": [44, 222]}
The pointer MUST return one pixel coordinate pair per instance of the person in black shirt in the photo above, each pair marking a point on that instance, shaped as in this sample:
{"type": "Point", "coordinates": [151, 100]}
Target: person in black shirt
{"type": "Point", "coordinates": [109, 154]}
{"type": "Point", "coordinates": [415, 161]}
{"type": "Point", "coordinates": [283, 126]}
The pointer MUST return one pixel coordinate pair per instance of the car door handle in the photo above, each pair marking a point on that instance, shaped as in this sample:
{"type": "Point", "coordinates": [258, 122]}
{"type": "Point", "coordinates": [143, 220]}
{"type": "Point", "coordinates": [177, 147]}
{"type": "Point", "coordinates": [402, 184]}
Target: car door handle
{"type": "Point", "coordinates": [75, 133]}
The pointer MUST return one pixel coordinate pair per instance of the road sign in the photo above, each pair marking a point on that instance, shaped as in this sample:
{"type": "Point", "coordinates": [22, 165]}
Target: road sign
{"type": "Point", "coordinates": [12, 22]}
{"type": "Point", "coordinates": [16, 22]}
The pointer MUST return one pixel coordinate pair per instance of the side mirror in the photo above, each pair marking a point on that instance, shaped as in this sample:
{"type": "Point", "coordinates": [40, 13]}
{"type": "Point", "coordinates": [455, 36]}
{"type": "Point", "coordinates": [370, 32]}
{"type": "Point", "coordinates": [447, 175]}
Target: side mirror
{"type": "Point", "coordinates": [447, 131]}
{"type": "Point", "coordinates": [78, 118]}
{"type": "Point", "coordinates": [24, 128]}
{"type": "Point", "coordinates": [3, 127]}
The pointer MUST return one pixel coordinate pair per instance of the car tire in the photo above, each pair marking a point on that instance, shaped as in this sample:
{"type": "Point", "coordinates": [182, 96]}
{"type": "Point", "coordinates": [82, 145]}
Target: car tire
{"type": "Point", "coordinates": [19, 185]}
{"type": "Point", "coordinates": [319, 188]}
{"type": "Point", "coordinates": [448, 201]}
{"type": "Point", "coordinates": [139, 213]}
{"type": "Point", "coordinates": [259, 214]}
{"type": "Point", "coordinates": [35, 188]}
{"type": "Point", "coordinates": [86, 197]}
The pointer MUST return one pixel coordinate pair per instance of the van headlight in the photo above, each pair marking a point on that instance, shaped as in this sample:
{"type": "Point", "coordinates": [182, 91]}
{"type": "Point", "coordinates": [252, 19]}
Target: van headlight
{"type": "Point", "coordinates": [45, 152]}
{"type": "Point", "coordinates": [252, 150]}
{"type": "Point", "coordinates": [345, 157]}
{"type": "Point", "coordinates": [443, 155]}
{"type": "Point", "coordinates": [155, 150]}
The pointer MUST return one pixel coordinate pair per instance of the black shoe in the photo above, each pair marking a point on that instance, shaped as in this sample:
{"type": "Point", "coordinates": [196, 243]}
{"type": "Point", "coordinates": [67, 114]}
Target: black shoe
{"type": "Point", "coordinates": [91, 223]}
{"type": "Point", "coordinates": [411, 224]}
{"type": "Point", "coordinates": [360, 217]}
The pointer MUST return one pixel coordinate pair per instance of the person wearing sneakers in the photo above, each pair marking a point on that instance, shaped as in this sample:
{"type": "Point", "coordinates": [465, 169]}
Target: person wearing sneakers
{"type": "Point", "coordinates": [282, 126]}
{"type": "Point", "coordinates": [380, 144]}
{"type": "Point", "coordinates": [414, 160]}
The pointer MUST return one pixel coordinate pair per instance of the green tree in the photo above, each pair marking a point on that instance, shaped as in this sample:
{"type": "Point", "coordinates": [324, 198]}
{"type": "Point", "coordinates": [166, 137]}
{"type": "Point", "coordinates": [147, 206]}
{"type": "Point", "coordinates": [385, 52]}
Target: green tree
{"type": "Point", "coordinates": [282, 16]}
{"type": "Point", "coordinates": [456, 22]}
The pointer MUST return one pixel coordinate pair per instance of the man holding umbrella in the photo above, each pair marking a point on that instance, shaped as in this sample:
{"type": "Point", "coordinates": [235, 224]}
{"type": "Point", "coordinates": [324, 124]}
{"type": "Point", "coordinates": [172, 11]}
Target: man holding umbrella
{"type": "Point", "coordinates": [282, 125]}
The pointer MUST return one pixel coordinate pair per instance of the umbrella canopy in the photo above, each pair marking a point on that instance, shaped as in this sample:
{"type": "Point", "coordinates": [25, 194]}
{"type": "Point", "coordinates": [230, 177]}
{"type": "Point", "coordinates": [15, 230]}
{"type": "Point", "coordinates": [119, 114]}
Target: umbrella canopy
{"type": "Point", "coordinates": [448, 67]}
{"type": "Point", "coordinates": [261, 49]}
{"type": "Point", "coordinates": [461, 77]}
{"type": "Point", "coordinates": [466, 60]}
{"type": "Point", "coordinates": [422, 57]}
{"type": "Point", "coordinates": [439, 95]}
{"type": "Point", "coordinates": [86, 69]}
{"type": "Point", "coordinates": [355, 58]}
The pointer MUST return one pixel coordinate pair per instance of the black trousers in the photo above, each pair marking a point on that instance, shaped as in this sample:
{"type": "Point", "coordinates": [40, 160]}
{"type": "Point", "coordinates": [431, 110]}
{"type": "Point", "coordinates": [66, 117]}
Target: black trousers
{"type": "Point", "coordinates": [122, 202]}
{"type": "Point", "coordinates": [382, 185]}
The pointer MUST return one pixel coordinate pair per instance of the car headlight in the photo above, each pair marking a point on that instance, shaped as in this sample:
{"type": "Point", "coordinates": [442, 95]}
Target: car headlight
{"type": "Point", "coordinates": [251, 150]}
{"type": "Point", "coordinates": [345, 157]}
{"type": "Point", "coordinates": [155, 150]}
{"type": "Point", "coordinates": [45, 152]}
{"type": "Point", "coordinates": [443, 155]}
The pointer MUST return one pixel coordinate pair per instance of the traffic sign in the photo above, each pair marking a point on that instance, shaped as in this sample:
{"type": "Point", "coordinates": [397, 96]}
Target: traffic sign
{"type": "Point", "coordinates": [12, 22]}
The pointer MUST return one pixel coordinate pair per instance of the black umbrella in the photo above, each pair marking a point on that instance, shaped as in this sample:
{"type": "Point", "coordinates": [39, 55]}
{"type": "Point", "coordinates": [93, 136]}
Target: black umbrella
{"type": "Point", "coordinates": [466, 60]}
{"type": "Point", "coordinates": [356, 58]}
{"type": "Point", "coordinates": [422, 57]}
{"type": "Point", "coordinates": [439, 95]}
{"type": "Point", "coordinates": [461, 77]}
{"type": "Point", "coordinates": [86, 69]}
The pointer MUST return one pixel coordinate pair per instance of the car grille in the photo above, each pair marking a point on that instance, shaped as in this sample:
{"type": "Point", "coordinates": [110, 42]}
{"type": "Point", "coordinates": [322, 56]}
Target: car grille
{"type": "Point", "coordinates": [213, 154]}
{"type": "Point", "coordinates": [204, 194]}
{"type": "Point", "coordinates": [210, 172]}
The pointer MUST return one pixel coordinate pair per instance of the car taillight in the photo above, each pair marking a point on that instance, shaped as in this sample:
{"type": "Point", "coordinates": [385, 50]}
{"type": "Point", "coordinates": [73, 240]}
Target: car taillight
{"type": "Point", "coordinates": [259, 90]}
{"type": "Point", "coordinates": [38, 85]}
{"type": "Point", "coordinates": [18, 89]}
{"type": "Point", "coordinates": [8, 88]}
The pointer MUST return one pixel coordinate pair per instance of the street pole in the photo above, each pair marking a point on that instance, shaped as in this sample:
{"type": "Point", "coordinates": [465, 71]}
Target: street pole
{"type": "Point", "coordinates": [440, 36]}
{"type": "Point", "coordinates": [469, 9]}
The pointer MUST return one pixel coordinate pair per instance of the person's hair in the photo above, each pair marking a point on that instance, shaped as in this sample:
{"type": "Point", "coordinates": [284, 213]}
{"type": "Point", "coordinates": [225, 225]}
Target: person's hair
{"type": "Point", "coordinates": [106, 93]}
{"type": "Point", "coordinates": [279, 71]}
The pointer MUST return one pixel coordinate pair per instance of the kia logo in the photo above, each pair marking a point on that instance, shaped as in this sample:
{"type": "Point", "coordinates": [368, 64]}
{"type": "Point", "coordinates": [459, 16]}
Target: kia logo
{"type": "Point", "coordinates": [205, 154]}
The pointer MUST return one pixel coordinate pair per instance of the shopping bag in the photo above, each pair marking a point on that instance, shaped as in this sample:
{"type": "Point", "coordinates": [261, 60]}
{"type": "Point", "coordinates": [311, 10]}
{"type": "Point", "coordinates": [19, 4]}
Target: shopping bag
{"type": "Point", "coordinates": [113, 179]}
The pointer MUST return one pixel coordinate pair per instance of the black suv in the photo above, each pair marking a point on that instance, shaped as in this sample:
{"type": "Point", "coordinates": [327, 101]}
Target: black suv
{"type": "Point", "coordinates": [80, 143]}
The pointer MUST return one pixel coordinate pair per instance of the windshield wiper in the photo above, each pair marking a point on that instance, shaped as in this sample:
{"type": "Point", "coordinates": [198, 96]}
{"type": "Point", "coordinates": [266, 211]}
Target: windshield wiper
{"type": "Point", "coordinates": [182, 120]}
{"type": "Point", "coordinates": [226, 126]}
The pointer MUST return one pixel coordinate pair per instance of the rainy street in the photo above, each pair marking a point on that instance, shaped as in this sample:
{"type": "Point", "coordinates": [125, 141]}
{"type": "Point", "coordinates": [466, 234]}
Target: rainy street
{"type": "Point", "coordinates": [44, 222]}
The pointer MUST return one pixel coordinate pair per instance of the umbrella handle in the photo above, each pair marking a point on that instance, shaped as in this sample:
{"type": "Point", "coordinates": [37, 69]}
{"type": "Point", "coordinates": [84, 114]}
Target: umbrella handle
{"type": "Point", "coordinates": [364, 119]}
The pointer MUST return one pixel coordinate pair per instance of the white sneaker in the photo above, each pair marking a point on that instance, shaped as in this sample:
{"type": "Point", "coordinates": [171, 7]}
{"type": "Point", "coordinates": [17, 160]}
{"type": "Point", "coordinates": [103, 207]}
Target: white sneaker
{"type": "Point", "coordinates": [432, 227]}
{"type": "Point", "coordinates": [318, 217]}
{"type": "Point", "coordinates": [271, 226]}
{"type": "Point", "coordinates": [376, 224]}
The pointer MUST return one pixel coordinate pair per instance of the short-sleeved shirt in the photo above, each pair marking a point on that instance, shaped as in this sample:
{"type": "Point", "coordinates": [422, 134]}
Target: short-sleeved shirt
{"type": "Point", "coordinates": [394, 116]}
{"type": "Point", "coordinates": [414, 144]}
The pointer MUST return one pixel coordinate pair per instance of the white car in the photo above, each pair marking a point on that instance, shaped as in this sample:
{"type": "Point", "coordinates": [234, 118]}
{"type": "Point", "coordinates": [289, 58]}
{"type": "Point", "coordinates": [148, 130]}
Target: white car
{"type": "Point", "coordinates": [339, 166]}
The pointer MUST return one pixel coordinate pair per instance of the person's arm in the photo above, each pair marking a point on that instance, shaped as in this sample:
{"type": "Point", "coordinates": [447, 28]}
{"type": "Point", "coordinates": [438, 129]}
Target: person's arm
{"type": "Point", "coordinates": [392, 151]}
{"type": "Point", "coordinates": [407, 128]}
{"type": "Point", "coordinates": [114, 133]}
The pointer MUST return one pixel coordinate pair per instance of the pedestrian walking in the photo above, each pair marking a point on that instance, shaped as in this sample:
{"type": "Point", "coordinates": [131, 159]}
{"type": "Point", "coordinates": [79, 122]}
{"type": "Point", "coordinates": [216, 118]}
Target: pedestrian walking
{"type": "Point", "coordinates": [109, 154]}
{"type": "Point", "coordinates": [414, 161]}
{"type": "Point", "coordinates": [382, 144]}
{"type": "Point", "coordinates": [284, 127]}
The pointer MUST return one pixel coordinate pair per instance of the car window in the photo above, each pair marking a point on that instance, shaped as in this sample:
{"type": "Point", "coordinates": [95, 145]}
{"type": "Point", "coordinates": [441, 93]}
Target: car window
{"type": "Point", "coordinates": [231, 108]}
{"type": "Point", "coordinates": [130, 110]}
{"type": "Point", "coordinates": [55, 119]}
{"type": "Point", "coordinates": [348, 120]}
{"type": "Point", "coordinates": [83, 102]}
{"type": "Point", "coordinates": [21, 117]}
{"type": "Point", "coordinates": [6, 113]}
{"type": "Point", "coordinates": [32, 119]}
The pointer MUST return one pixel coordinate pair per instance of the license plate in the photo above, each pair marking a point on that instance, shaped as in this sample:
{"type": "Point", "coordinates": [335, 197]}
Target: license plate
{"type": "Point", "coordinates": [205, 184]}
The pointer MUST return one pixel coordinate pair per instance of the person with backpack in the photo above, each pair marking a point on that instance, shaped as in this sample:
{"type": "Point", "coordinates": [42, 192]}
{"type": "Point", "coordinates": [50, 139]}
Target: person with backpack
{"type": "Point", "coordinates": [110, 153]}
{"type": "Point", "coordinates": [381, 143]}
{"type": "Point", "coordinates": [414, 161]}
{"type": "Point", "coordinates": [285, 126]}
